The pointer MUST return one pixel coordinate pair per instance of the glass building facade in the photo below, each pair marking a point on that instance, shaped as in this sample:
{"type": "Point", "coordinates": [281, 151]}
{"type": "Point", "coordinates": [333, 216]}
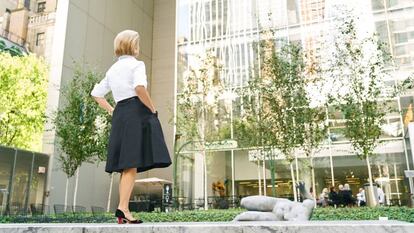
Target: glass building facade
{"type": "Point", "coordinates": [231, 28]}
{"type": "Point", "coordinates": [23, 177]}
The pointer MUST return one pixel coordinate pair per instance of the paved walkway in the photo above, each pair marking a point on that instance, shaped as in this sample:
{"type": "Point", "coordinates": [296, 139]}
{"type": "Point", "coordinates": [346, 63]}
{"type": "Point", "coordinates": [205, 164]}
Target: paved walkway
{"type": "Point", "coordinates": [217, 227]}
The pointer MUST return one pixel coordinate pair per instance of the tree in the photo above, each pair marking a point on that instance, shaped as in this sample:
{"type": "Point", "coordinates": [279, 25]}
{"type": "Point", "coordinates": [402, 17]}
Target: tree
{"type": "Point", "coordinates": [277, 114]}
{"type": "Point", "coordinates": [198, 105]}
{"type": "Point", "coordinates": [252, 125]}
{"type": "Point", "coordinates": [284, 96]}
{"type": "Point", "coordinates": [23, 88]}
{"type": "Point", "coordinates": [81, 126]}
{"type": "Point", "coordinates": [358, 66]}
{"type": "Point", "coordinates": [313, 117]}
{"type": "Point", "coordinates": [314, 132]}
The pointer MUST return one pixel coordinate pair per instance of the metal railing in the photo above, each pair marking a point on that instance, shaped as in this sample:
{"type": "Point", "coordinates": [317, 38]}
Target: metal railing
{"type": "Point", "coordinates": [42, 18]}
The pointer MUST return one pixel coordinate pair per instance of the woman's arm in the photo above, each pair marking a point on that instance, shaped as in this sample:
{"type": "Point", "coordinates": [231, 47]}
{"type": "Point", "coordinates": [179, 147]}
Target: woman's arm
{"type": "Point", "coordinates": [104, 104]}
{"type": "Point", "coordinates": [143, 95]}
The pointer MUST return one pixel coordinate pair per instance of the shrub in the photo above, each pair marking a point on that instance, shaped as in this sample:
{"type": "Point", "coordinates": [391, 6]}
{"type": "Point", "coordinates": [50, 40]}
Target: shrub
{"type": "Point", "coordinates": [320, 214]}
{"type": "Point", "coordinates": [364, 213]}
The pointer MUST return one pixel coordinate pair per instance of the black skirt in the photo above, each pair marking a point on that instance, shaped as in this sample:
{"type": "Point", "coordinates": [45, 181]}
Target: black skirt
{"type": "Point", "coordinates": [136, 139]}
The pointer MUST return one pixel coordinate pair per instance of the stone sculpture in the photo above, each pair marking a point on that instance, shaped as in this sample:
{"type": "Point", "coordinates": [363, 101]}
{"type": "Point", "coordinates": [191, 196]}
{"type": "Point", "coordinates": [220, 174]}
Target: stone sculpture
{"type": "Point", "coordinates": [263, 208]}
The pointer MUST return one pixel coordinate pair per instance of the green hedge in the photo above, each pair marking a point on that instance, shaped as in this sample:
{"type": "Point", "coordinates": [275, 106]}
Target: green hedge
{"type": "Point", "coordinates": [393, 213]}
{"type": "Point", "coordinates": [178, 216]}
{"type": "Point", "coordinates": [364, 213]}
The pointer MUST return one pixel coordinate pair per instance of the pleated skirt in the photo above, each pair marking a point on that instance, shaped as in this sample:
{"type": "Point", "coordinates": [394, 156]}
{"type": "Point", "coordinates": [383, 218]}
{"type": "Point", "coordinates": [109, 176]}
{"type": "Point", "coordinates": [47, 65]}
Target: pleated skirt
{"type": "Point", "coordinates": [136, 139]}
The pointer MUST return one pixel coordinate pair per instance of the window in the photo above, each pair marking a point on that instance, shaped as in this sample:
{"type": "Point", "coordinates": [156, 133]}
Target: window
{"type": "Point", "coordinates": [27, 4]}
{"type": "Point", "coordinates": [40, 39]}
{"type": "Point", "coordinates": [41, 6]}
{"type": "Point", "coordinates": [401, 37]}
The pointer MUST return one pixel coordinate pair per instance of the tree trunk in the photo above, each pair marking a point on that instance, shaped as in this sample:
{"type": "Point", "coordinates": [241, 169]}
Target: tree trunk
{"type": "Point", "coordinates": [205, 180]}
{"type": "Point", "coordinates": [272, 170]}
{"type": "Point", "coordinates": [66, 192]}
{"type": "Point", "coordinates": [75, 193]}
{"type": "Point", "coordinates": [264, 177]}
{"type": "Point", "coordinates": [295, 196]}
{"type": "Point", "coordinates": [313, 179]}
{"type": "Point", "coordinates": [371, 184]}
{"type": "Point", "coordinates": [259, 177]}
{"type": "Point", "coordinates": [297, 174]}
{"type": "Point", "coordinates": [110, 193]}
{"type": "Point", "coordinates": [203, 138]}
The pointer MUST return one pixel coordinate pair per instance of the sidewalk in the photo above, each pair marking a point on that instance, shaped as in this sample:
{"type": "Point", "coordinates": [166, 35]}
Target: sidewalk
{"type": "Point", "coordinates": [218, 227]}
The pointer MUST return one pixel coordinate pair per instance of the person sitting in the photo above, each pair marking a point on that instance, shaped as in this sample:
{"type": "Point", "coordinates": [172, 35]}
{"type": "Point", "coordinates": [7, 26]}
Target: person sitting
{"type": "Point", "coordinates": [361, 197]}
{"type": "Point", "coordinates": [333, 197]}
{"type": "Point", "coordinates": [346, 194]}
{"type": "Point", "coordinates": [340, 195]}
{"type": "Point", "coordinates": [323, 198]}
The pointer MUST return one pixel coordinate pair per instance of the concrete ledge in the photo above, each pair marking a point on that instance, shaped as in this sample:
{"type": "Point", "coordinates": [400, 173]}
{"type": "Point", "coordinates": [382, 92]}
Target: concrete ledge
{"type": "Point", "coordinates": [218, 227]}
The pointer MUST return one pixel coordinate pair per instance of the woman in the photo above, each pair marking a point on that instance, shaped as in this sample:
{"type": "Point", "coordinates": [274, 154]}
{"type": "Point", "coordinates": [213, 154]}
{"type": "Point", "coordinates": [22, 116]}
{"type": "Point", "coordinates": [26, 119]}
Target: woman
{"type": "Point", "coordinates": [323, 197]}
{"type": "Point", "coordinates": [346, 194]}
{"type": "Point", "coordinates": [361, 197]}
{"type": "Point", "coordinates": [136, 142]}
{"type": "Point", "coordinates": [333, 197]}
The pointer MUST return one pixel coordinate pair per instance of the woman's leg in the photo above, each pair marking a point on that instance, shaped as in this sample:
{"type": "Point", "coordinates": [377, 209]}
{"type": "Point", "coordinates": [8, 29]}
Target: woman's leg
{"type": "Point", "coordinates": [126, 185]}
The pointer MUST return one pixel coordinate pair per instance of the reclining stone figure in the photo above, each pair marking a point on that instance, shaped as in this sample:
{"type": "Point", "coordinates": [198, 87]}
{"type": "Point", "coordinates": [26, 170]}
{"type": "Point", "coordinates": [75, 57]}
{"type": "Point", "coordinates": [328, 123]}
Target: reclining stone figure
{"type": "Point", "coordinates": [263, 208]}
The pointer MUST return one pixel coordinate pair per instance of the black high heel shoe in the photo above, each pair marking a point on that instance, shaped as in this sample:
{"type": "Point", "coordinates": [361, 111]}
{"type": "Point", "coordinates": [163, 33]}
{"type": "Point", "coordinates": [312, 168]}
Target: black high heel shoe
{"type": "Point", "coordinates": [122, 219]}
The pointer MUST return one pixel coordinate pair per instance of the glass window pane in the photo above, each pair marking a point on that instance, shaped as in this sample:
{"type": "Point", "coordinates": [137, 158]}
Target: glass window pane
{"type": "Point", "coordinates": [39, 176]}
{"type": "Point", "coordinates": [387, 171]}
{"type": "Point", "coordinates": [6, 166]}
{"type": "Point", "coordinates": [20, 181]}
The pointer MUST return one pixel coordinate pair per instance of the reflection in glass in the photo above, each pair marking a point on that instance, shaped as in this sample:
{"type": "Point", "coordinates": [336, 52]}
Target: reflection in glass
{"type": "Point", "coordinates": [20, 190]}
{"type": "Point", "coordinates": [22, 181]}
{"type": "Point", "coordinates": [6, 166]}
{"type": "Point", "coordinates": [232, 29]}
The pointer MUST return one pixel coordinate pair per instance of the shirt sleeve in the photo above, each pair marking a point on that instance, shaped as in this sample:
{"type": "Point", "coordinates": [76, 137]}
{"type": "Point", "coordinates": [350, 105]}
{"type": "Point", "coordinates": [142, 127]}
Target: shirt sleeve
{"type": "Point", "coordinates": [139, 75]}
{"type": "Point", "coordinates": [102, 88]}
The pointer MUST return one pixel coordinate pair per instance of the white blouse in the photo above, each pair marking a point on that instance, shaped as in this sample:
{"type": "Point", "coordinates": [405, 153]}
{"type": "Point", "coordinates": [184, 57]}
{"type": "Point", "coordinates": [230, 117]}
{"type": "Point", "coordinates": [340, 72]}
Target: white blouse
{"type": "Point", "coordinates": [122, 78]}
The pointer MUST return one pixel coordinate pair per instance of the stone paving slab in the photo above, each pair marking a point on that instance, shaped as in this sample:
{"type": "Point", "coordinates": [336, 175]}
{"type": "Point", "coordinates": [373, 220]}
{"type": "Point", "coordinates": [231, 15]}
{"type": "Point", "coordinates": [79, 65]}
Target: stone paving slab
{"type": "Point", "coordinates": [217, 227]}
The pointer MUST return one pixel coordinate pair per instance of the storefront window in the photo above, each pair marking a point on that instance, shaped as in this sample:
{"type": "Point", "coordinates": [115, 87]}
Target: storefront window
{"type": "Point", "coordinates": [38, 183]}
{"type": "Point", "coordinates": [323, 174]}
{"type": "Point", "coordinates": [21, 178]}
{"type": "Point", "coordinates": [6, 167]}
{"type": "Point", "coordinates": [387, 171]}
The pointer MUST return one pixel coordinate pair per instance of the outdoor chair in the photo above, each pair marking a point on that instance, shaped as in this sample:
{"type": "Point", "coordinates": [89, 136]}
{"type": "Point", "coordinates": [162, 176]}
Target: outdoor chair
{"type": "Point", "coordinates": [79, 209]}
{"type": "Point", "coordinates": [198, 203]}
{"type": "Point", "coordinates": [187, 203]}
{"type": "Point", "coordinates": [15, 209]}
{"type": "Point", "coordinates": [234, 201]}
{"type": "Point", "coordinates": [37, 209]}
{"type": "Point", "coordinates": [62, 209]}
{"type": "Point", "coordinates": [96, 210]}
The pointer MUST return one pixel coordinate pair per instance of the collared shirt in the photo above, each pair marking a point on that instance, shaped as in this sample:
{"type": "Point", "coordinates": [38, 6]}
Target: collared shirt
{"type": "Point", "coordinates": [122, 78]}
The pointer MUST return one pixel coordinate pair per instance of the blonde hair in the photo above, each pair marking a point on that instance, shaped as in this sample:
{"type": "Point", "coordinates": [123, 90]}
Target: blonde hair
{"type": "Point", "coordinates": [126, 43]}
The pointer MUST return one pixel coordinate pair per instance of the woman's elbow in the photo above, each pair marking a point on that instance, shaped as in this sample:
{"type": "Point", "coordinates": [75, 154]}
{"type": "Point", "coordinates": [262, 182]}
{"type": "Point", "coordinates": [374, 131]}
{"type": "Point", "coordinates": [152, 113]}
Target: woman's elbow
{"type": "Point", "coordinates": [140, 90]}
